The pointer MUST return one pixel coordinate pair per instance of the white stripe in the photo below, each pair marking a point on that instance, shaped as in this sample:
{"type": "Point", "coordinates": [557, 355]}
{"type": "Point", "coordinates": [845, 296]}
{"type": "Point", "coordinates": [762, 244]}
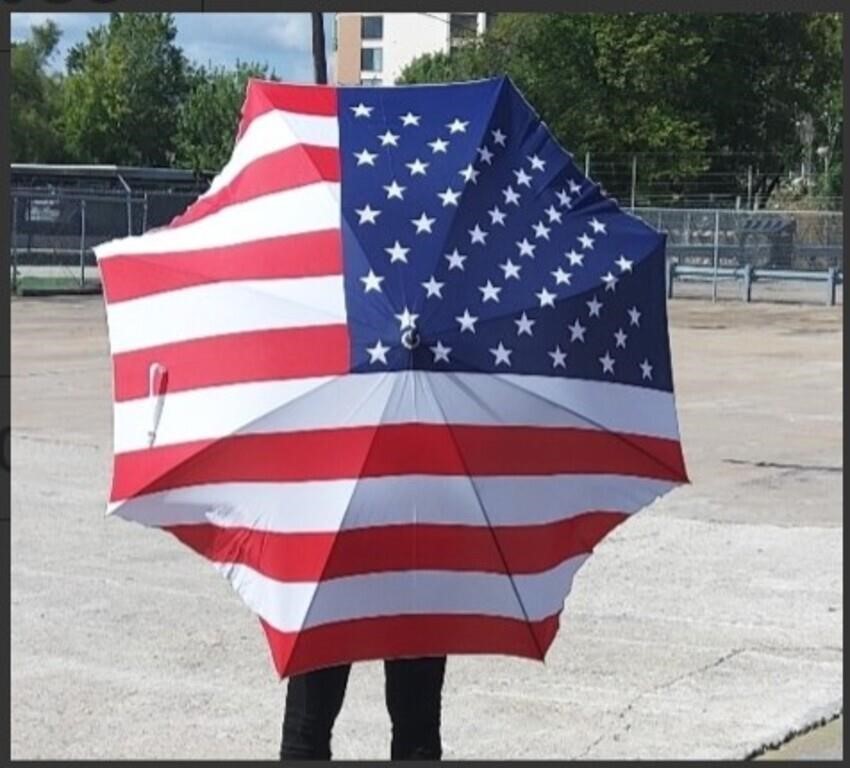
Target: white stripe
{"type": "Point", "coordinates": [392, 398]}
{"type": "Point", "coordinates": [215, 309]}
{"type": "Point", "coordinates": [272, 132]}
{"type": "Point", "coordinates": [310, 208]}
{"type": "Point", "coordinates": [290, 607]}
{"type": "Point", "coordinates": [332, 505]}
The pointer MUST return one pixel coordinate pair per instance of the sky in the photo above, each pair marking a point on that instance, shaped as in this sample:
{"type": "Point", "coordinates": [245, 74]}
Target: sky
{"type": "Point", "coordinates": [282, 40]}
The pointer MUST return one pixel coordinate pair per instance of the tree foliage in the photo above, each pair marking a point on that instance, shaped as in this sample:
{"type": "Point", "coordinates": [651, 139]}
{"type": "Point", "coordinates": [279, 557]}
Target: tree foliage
{"type": "Point", "coordinates": [123, 92]}
{"type": "Point", "coordinates": [690, 92]}
{"type": "Point", "coordinates": [206, 125]}
{"type": "Point", "coordinates": [34, 108]}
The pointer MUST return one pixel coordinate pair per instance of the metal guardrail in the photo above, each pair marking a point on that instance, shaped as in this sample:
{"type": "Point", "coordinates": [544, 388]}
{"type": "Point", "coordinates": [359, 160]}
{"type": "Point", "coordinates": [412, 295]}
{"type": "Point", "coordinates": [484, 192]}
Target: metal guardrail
{"type": "Point", "coordinates": [747, 275]}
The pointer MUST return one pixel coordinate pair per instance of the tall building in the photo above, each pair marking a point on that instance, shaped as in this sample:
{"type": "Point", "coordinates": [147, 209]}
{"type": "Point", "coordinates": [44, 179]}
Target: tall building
{"type": "Point", "coordinates": [374, 48]}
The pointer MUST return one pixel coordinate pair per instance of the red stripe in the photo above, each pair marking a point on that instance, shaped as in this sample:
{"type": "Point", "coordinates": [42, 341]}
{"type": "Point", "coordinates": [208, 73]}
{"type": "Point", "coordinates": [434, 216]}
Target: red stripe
{"type": "Point", "coordinates": [289, 168]}
{"type": "Point", "coordinates": [389, 637]}
{"type": "Point", "coordinates": [264, 96]}
{"type": "Point", "coordinates": [395, 449]}
{"type": "Point", "coordinates": [330, 555]}
{"type": "Point", "coordinates": [312, 254]}
{"type": "Point", "coordinates": [235, 358]}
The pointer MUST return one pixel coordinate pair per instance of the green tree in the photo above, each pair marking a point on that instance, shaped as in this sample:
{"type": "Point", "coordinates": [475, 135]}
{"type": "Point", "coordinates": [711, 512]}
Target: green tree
{"type": "Point", "coordinates": [124, 87]}
{"type": "Point", "coordinates": [34, 107]}
{"type": "Point", "coordinates": [695, 95]}
{"type": "Point", "coordinates": [209, 116]}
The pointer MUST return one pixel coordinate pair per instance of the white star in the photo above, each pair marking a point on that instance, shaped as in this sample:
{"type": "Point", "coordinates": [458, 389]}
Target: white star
{"type": "Point", "coordinates": [457, 126]}
{"type": "Point", "coordinates": [394, 190]}
{"type": "Point", "coordinates": [496, 216]}
{"type": "Point", "coordinates": [478, 235]}
{"type": "Point", "coordinates": [575, 257]}
{"type": "Point", "coordinates": [389, 139]}
{"type": "Point", "coordinates": [417, 167]}
{"type": "Point", "coordinates": [449, 197]}
{"type": "Point", "coordinates": [367, 215]}
{"type": "Point", "coordinates": [423, 224]}
{"type": "Point", "coordinates": [499, 137]}
{"type": "Point", "coordinates": [634, 316]}
{"type": "Point", "coordinates": [610, 281]}
{"type": "Point", "coordinates": [561, 276]}
{"type": "Point", "coordinates": [607, 364]}
{"type": "Point", "coordinates": [541, 230]}
{"type": "Point", "coordinates": [361, 110]}
{"type": "Point", "coordinates": [485, 154]}
{"type": "Point", "coordinates": [407, 319]}
{"type": "Point", "coordinates": [598, 226]}
{"type": "Point", "coordinates": [546, 299]}
{"type": "Point", "coordinates": [378, 353]}
{"type": "Point", "coordinates": [536, 163]}
{"type": "Point", "coordinates": [467, 322]}
{"type": "Point", "coordinates": [441, 352]}
{"type": "Point", "coordinates": [456, 260]}
{"type": "Point", "coordinates": [438, 145]}
{"type": "Point", "coordinates": [594, 306]}
{"type": "Point", "coordinates": [525, 248]}
{"type": "Point", "coordinates": [470, 174]}
{"type": "Point", "coordinates": [502, 354]}
{"type": "Point", "coordinates": [574, 187]}
{"type": "Point", "coordinates": [621, 338]}
{"type": "Point", "coordinates": [510, 269]}
{"type": "Point", "coordinates": [490, 292]}
{"type": "Point", "coordinates": [365, 157]}
{"type": "Point", "coordinates": [585, 240]}
{"type": "Point", "coordinates": [523, 325]}
{"type": "Point", "coordinates": [511, 196]}
{"type": "Point", "coordinates": [397, 253]}
{"type": "Point", "coordinates": [554, 214]}
{"type": "Point", "coordinates": [624, 264]}
{"type": "Point", "coordinates": [564, 199]}
{"type": "Point", "coordinates": [577, 331]}
{"type": "Point", "coordinates": [646, 369]}
{"type": "Point", "coordinates": [433, 288]}
{"type": "Point", "coordinates": [372, 282]}
{"type": "Point", "coordinates": [409, 119]}
{"type": "Point", "coordinates": [522, 178]}
{"type": "Point", "coordinates": [558, 357]}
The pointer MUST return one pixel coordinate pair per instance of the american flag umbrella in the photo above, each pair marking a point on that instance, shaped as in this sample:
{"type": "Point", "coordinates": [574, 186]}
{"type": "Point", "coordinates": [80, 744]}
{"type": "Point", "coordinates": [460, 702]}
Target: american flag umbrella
{"type": "Point", "coordinates": [395, 374]}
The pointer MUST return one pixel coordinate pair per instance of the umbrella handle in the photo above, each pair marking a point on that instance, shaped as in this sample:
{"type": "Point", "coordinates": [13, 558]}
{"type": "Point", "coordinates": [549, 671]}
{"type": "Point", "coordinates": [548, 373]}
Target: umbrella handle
{"type": "Point", "coordinates": [157, 385]}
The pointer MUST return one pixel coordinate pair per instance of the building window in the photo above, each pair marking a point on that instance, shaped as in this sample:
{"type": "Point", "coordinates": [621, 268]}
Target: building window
{"type": "Point", "coordinates": [463, 26]}
{"type": "Point", "coordinates": [371, 59]}
{"type": "Point", "coordinates": [371, 27]}
{"type": "Point", "coordinates": [371, 81]}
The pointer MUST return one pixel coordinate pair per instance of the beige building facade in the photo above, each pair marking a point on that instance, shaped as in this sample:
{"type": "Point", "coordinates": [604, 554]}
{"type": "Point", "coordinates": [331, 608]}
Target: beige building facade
{"type": "Point", "coordinates": [374, 48]}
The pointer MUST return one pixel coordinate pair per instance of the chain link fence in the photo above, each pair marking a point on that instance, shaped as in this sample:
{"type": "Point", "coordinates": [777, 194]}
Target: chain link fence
{"type": "Point", "coordinates": [53, 233]}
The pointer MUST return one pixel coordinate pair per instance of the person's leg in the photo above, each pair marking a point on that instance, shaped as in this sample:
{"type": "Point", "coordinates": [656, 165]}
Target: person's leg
{"type": "Point", "coordinates": [414, 690]}
{"type": "Point", "coordinates": [313, 701]}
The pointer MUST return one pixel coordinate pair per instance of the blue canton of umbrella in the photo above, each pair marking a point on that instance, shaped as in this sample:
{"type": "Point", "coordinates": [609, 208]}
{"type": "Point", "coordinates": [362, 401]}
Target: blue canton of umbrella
{"type": "Point", "coordinates": [472, 242]}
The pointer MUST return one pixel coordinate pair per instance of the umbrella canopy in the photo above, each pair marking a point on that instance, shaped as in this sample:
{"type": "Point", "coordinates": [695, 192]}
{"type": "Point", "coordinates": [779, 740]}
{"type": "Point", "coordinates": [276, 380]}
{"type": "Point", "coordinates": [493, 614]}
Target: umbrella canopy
{"type": "Point", "coordinates": [395, 374]}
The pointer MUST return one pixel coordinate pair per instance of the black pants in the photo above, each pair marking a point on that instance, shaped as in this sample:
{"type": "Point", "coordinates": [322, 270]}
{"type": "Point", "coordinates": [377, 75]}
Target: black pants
{"type": "Point", "coordinates": [413, 694]}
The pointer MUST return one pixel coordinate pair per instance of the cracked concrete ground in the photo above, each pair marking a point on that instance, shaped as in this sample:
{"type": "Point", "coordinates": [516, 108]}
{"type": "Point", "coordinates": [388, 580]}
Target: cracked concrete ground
{"type": "Point", "coordinates": [708, 626]}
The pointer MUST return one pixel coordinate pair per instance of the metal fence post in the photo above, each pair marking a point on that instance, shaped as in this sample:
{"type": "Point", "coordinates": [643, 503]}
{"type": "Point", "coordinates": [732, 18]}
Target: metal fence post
{"type": "Point", "coordinates": [145, 214]}
{"type": "Point", "coordinates": [830, 286]}
{"type": "Point", "coordinates": [670, 272]}
{"type": "Point", "coordinates": [716, 254]}
{"type": "Point", "coordinates": [14, 246]}
{"type": "Point", "coordinates": [82, 243]}
{"type": "Point", "coordinates": [587, 165]}
{"type": "Point", "coordinates": [748, 282]}
{"type": "Point", "coordinates": [634, 180]}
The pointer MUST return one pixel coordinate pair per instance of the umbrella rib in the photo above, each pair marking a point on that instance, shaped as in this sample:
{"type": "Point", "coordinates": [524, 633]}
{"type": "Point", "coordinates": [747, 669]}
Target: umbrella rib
{"type": "Point", "coordinates": [490, 526]}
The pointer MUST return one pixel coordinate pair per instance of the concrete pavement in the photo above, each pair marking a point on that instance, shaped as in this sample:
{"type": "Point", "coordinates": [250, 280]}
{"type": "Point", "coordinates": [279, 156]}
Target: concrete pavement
{"type": "Point", "coordinates": [708, 626]}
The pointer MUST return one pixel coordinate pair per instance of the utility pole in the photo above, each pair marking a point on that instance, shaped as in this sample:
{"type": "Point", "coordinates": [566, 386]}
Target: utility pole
{"type": "Point", "coordinates": [320, 64]}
